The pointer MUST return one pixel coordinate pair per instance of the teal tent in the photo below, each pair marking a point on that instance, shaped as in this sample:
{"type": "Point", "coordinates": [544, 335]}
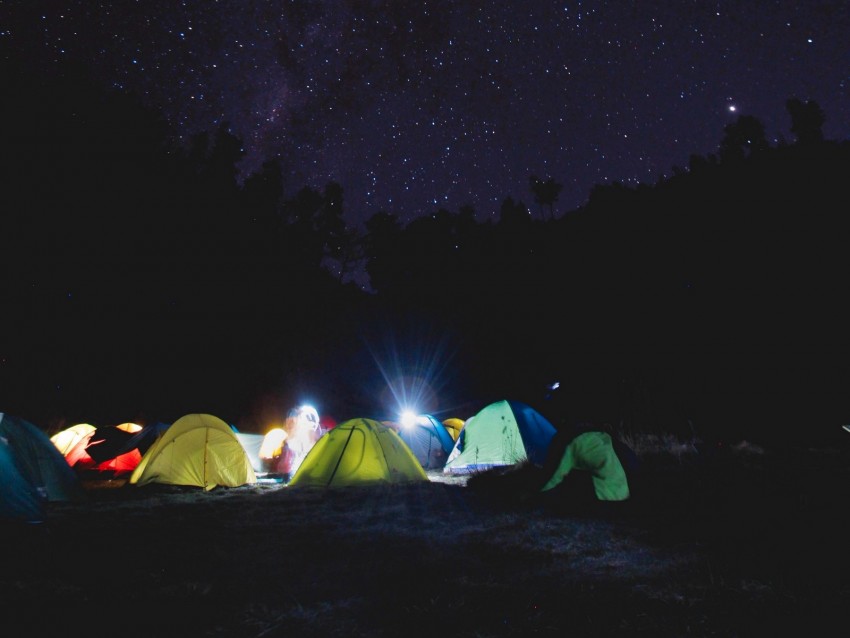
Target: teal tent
{"type": "Point", "coordinates": [33, 472]}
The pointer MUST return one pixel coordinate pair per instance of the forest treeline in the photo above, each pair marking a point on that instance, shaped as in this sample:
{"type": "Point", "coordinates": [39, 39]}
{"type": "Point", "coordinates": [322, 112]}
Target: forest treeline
{"type": "Point", "coordinates": [137, 270]}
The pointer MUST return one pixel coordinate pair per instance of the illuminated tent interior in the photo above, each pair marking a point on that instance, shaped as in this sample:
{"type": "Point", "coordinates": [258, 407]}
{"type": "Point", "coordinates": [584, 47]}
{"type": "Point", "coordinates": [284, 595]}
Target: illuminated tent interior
{"type": "Point", "coordinates": [196, 450]}
{"type": "Point", "coordinates": [271, 448]}
{"type": "Point", "coordinates": [502, 433]}
{"type": "Point", "coordinates": [69, 437]}
{"type": "Point", "coordinates": [252, 444]}
{"type": "Point", "coordinates": [356, 452]}
{"type": "Point", "coordinates": [110, 441]}
{"type": "Point", "coordinates": [110, 449]}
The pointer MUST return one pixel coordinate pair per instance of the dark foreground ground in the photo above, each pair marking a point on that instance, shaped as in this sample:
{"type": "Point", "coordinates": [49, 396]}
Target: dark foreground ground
{"type": "Point", "coordinates": [735, 542]}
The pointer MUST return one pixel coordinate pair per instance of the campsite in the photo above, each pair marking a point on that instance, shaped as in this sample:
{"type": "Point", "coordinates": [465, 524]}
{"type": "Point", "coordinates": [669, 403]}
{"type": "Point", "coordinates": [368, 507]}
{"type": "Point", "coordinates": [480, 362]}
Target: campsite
{"type": "Point", "coordinates": [714, 541]}
{"type": "Point", "coordinates": [163, 316]}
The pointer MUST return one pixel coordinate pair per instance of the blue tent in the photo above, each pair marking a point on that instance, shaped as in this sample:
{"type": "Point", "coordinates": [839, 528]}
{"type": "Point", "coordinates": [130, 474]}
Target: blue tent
{"type": "Point", "coordinates": [429, 440]}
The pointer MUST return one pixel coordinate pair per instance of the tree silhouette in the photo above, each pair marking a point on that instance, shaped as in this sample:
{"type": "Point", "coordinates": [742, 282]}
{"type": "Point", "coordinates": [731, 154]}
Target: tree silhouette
{"type": "Point", "coordinates": [806, 120]}
{"type": "Point", "coordinates": [302, 247]}
{"type": "Point", "coordinates": [382, 248]}
{"type": "Point", "coordinates": [340, 244]}
{"type": "Point", "coordinates": [513, 214]}
{"type": "Point", "coordinates": [348, 253]}
{"type": "Point", "coordinates": [742, 138]}
{"type": "Point", "coordinates": [545, 192]}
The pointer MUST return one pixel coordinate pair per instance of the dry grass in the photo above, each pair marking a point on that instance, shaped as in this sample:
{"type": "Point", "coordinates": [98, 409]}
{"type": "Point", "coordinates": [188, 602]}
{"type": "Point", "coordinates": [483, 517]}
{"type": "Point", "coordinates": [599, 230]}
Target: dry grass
{"type": "Point", "coordinates": [740, 541]}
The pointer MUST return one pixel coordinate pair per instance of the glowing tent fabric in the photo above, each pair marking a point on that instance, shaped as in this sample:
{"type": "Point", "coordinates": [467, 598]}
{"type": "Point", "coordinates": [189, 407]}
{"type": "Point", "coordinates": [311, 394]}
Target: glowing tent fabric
{"type": "Point", "coordinates": [69, 437]}
{"type": "Point", "coordinates": [112, 450]}
{"type": "Point", "coordinates": [593, 452]}
{"type": "Point", "coordinates": [453, 427]}
{"type": "Point", "coordinates": [252, 444]}
{"type": "Point", "coordinates": [502, 433]}
{"type": "Point", "coordinates": [32, 472]}
{"type": "Point", "coordinates": [108, 442]}
{"type": "Point", "coordinates": [358, 452]}
{"type": "Point", "coordinates": [76, 455]}
{"type": "Point", "coordinates": [196, 450]}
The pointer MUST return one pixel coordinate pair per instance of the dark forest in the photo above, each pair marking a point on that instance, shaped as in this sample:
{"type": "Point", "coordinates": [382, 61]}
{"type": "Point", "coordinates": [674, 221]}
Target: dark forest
{"type": "Point", "coordinates": [144, 279]}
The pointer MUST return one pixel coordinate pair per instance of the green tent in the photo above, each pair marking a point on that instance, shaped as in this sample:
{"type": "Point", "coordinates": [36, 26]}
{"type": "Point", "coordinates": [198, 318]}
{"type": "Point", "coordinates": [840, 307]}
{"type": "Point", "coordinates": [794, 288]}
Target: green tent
{"type": "Point", "coordinates": [358, 451]}
{"type": "Point", "coordinates": [503, 433]}
{"type": "Point", "coordinates": [199, 450]}
{"type": "Point", "coordinates": [593, 452]}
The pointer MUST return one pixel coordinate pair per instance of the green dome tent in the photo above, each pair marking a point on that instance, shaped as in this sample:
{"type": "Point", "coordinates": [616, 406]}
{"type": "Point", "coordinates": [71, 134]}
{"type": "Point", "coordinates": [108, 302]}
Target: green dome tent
{"type": "Point", "coordinates": [358, 451]}
{"type": "Point", "coordinates": [503, 433]}
{"type": "Point", "coordinates": [198, 450]}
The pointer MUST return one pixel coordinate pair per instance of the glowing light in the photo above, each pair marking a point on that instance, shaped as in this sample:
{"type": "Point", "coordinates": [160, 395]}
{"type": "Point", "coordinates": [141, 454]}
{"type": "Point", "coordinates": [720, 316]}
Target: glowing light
{"type": "Point", "coordinates": [272, 443]}
{"type": "Point", "coordinates": [308, 413]}
{"type": "Point", "coordinates": [129, 427]}
{"type": "Point", "coordinates": [303, 430]}
{"type": "Point", "coordinates": [408, 419]}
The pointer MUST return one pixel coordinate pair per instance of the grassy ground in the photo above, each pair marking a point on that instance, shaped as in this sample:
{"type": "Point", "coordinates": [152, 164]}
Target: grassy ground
{"type": "Point", "coordinates": [725, 542]}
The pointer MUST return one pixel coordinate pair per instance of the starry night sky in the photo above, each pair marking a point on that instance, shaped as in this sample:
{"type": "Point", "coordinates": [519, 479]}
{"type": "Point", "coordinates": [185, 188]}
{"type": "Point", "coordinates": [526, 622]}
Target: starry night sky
{"type": "Point", "coordinates": [413, 107]}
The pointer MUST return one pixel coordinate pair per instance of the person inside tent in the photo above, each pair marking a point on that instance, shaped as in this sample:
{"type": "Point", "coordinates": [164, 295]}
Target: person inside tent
{"type": "Point", "coordinates": [303, 429]}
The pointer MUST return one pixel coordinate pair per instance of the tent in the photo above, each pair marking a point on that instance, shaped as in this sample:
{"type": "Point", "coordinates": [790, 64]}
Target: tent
{"type": "Point", "coordinates": [429, 441]}
{"type": "Point", "coordinates": [358, 451]}
{"type": "Point", "coordinates": [110, 441]}
{"type": "Point", "coordinates": [503, 433]}
{"type": "Point", "coordinates": [111, 451]}
{"type": "Point", "coordinates": [19, 499]}
{"type": "Point", "coordinates": [108, 449]}
{"type": "Point", "coordinates": [66, 439]}
{"type": "Point", "coordinates": [198, 450]}
{"type": "Point", "coordinates": [453, 426]}
{"type": "Point", "coordinates": [32, 472]}
{"type": "Point", "coordinates": [77, 454]}
{"type": "Point", "coordinates": [271, 449]}
{"type": "Point", "coordinates": [146, 437]}
{"type": "Point", "coordinates": [592, 452]}
{"type": "Point", "coordinates": [252, 443]}
{"type": "Point", "coordinates": [128, 454]}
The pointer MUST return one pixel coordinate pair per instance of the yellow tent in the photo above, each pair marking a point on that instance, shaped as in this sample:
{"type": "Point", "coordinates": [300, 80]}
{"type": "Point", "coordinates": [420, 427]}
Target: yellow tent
{"type": "Point", "coordinates": [454, 426]}
{"type": "Point", "coordinates": [356, 452]}
{"type": "Point", "coordinates": [197, 449]}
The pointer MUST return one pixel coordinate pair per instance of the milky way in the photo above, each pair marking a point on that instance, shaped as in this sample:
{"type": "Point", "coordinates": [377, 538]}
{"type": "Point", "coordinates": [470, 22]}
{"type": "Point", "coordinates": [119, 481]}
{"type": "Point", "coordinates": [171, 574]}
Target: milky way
{"type": "Point", "coordinates": [417, 106]}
